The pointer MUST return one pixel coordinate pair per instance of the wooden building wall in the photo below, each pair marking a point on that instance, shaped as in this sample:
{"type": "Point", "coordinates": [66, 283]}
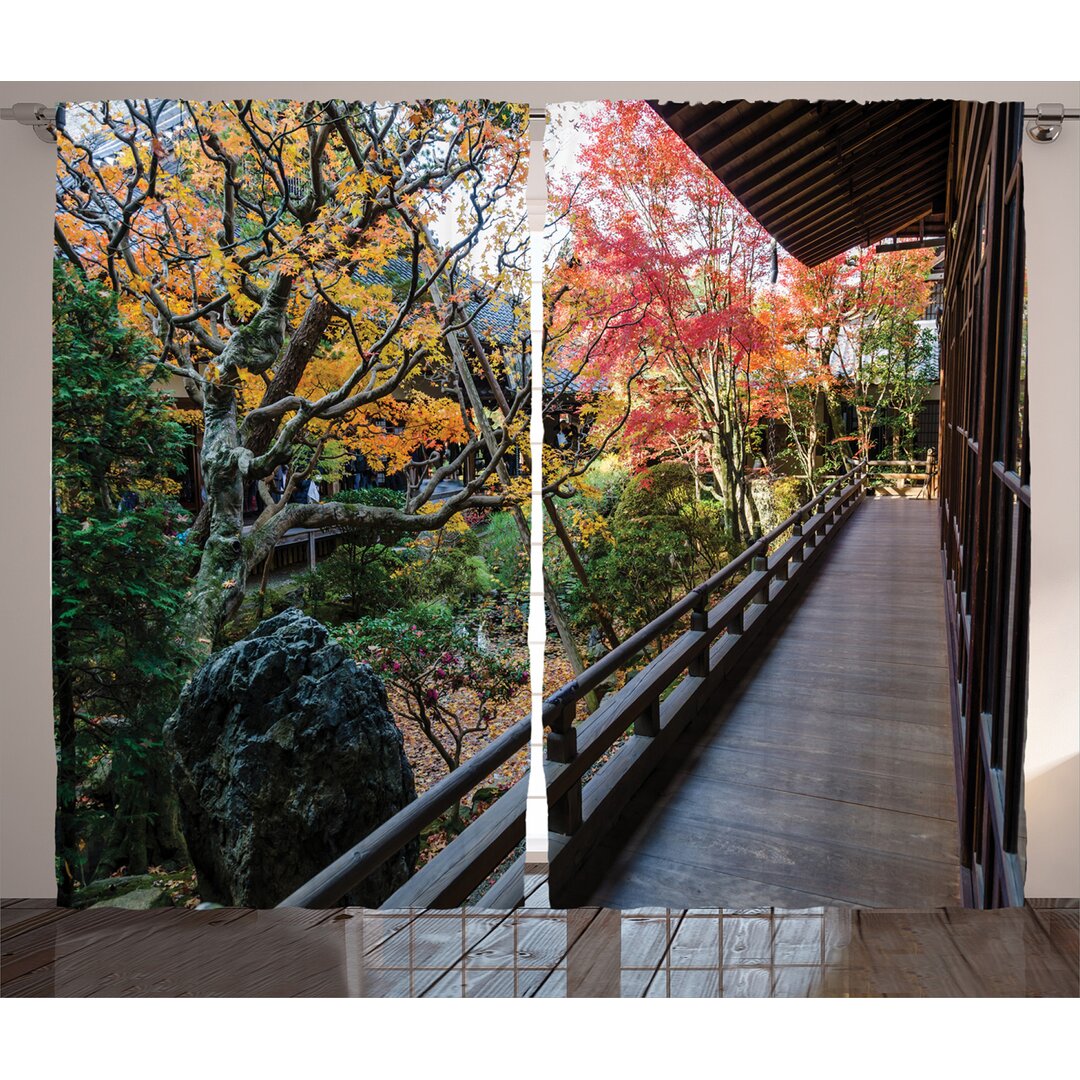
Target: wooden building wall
{"type": "Point", "coordinates": [985, 493]}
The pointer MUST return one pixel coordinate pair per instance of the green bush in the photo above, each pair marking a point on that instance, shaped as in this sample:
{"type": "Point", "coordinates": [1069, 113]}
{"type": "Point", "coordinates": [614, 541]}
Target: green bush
{"type": "Point", "coordinates": [789, 493]}
{"type": "Point", "coordinates": [361, 577]}
{"type": "Point", "coordinates": [372, 497]}
{"type": "Point", "coordinates": [777, 498]}
{"type": "Point", "coordinates": [506, 556]}
{"type": "Point", "coordinates": [120, 585]}
{"type": "Point", "coordinates": [660, 510]}
{"type": "Point", "coordinates": [469, 542]}
{"type": "Point", "coordinates": [313, 589]}
{"type": "Point", "coordinates": [663, 541]}
{"type": "Point", "coordinates": [665, 490]}
{"type": "Point", "coordinates": [449, 576]}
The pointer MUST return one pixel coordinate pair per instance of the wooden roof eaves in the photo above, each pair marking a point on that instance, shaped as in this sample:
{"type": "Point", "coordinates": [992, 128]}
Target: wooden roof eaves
{"type": "Point", "coordinates": [807, 170]}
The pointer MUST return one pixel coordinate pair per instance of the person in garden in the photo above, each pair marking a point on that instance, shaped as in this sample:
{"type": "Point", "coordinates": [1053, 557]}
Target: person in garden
{"type": "Point", "coordinates": [567, 435]}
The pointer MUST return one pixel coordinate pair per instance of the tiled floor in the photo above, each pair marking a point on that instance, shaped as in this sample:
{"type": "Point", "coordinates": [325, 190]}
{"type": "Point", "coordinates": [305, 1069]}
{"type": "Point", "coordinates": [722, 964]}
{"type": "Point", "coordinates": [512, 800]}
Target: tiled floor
{"type": "Point", "coordinates": [536, 952]}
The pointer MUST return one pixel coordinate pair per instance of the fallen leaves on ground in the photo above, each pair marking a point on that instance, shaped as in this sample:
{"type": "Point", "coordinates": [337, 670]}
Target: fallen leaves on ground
{"type": "Point", "coordinates": [429, 768]}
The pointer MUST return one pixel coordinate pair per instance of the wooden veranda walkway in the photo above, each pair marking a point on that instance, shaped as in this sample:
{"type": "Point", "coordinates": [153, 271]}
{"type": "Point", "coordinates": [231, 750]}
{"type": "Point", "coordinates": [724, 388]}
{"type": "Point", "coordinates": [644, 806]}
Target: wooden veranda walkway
{"type": "Point", "coordinates": [825, 775]}
{"type": "Point", "coordinates": [787, 745]}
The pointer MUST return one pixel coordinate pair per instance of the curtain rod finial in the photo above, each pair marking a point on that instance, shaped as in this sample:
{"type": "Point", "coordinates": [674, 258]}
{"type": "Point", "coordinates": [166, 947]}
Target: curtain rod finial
{"type": "Point", "coordinates": [42, 118]}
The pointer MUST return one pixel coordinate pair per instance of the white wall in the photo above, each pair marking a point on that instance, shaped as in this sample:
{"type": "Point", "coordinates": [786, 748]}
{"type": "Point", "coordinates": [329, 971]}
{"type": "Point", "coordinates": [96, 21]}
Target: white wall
{"type": "Point", "coordinates": [27, 760]}
{"type": "Point", "coordinates": [1051, 761]}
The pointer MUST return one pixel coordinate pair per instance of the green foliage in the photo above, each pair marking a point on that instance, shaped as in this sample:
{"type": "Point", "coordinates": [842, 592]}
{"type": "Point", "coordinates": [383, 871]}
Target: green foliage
{"type": "Point", "coordinates": [915, 373]}
{"type": "Point", "coordinates": [458, 570]}
{"type": "Point", "coordinates": [112, 432]}
{"type": "Point", "coordinates": [275, 601]}
{"type": "Point", "coordinates": [607, 480]}
{"type": "Point", "coordinates": [361, 577]}
{"type": "Point", "coordinates": [777, 497]}
{"type": "Point", "coordinates": [664, 490]}
{"type": "Point", "coordinates": [119, 573]}
{"type": "Point", "coordinates": [448, 575]}
{"type": "Point", "coordinates": [789, 493]}
{"type": "Point", "coordinates": [506, 556]}
{"type": "Point", "coordinates": [331, 464]}
{"type": "Point", "coordinates": [372, 497]}
{"type": "Point", "coordinates": [311, 590]}
{"type": "Point", "coordinates": [661, 542]}
{"type": "Point", "coordinates": [662, 509]}
{"type": "Point", "coordinates": [447, 684]}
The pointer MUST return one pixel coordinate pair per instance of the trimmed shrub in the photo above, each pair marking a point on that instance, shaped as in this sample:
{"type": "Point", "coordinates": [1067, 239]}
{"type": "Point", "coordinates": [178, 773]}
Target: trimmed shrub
{"type": "Point", "coordinates": [372, 497]}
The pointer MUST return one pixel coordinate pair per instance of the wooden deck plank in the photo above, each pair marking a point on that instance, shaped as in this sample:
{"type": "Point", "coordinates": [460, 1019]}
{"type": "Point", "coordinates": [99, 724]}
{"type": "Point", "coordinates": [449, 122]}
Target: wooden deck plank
{"type": "Point", "coordinates": [826, 772]}
{"type": "Point", "coordinates": [760, 719]}
{"type": "Point", "coordinates": [710, 854]}
{"type": "Point", "coordinates": [700, 952]}
{"type": "Point", "coordinates": [676, 878]}
{"type": "Point", "coordinates": [851, 825]}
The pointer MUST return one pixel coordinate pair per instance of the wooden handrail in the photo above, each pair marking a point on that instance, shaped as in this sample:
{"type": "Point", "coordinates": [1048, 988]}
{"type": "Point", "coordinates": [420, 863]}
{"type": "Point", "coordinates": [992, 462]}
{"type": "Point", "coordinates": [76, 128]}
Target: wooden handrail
{"type": "Point", "coordinates": [628, 650]}
{"type": "Point", "coordinates": [363, 859]}
{"type": "Point", "coordinates": [876, 462]}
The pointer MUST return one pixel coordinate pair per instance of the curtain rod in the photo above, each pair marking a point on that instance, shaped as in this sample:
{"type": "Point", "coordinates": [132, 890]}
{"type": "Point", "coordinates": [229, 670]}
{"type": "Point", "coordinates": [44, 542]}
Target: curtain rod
{"type": "Point", "coordinates": [45, 118]}
{"type": "Point", "coordinates": [1045, 119]}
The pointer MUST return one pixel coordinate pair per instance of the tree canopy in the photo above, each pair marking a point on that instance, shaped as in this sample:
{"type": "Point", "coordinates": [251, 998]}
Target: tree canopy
{"type": "Point", "coordinates": [285, 259]}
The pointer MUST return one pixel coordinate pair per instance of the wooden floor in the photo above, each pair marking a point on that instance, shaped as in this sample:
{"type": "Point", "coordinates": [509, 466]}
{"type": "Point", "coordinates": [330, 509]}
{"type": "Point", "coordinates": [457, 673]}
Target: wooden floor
{"type": "Point", "coordinates": [826, 774]}
{"type": "Point", "coordinates": [538, 952]}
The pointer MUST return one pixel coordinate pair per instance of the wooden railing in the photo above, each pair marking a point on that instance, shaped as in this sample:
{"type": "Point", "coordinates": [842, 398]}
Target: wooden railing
{"type": "Point", "coordinates": [894, 477]}
{"type": "Point", "coordinates": [689, 668]}
{"type": "Point", "coordinates": [658, 702]}
{"type": "Point", "coordinates": [452, 875]}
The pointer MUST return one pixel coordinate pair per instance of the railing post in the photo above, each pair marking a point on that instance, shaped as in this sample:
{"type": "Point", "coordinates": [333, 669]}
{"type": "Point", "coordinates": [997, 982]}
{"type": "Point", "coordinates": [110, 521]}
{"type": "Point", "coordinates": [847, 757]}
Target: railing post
{"type": "Point", "coordinates": [699, 621]}
{"type": "Point", "coordinates": [648, 723]}
{"type": "Point", "coordinates": [799, 552]}
{"type": "Point", "coordinates": [761, 564]}
{"type": "Point", "coordinates": [564, 815]}
{"type": "Point", "coordinates": [810, 538]}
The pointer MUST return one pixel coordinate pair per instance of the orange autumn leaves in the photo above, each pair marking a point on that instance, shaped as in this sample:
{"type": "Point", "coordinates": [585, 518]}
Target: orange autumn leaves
{"type": "Point", "coordinates": [213, 207]}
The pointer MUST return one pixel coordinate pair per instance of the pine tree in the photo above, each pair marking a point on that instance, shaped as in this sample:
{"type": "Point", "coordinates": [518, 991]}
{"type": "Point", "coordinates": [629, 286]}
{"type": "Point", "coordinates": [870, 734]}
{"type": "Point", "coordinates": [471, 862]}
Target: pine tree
{"type": "Point", "coordinates": [118, 584]}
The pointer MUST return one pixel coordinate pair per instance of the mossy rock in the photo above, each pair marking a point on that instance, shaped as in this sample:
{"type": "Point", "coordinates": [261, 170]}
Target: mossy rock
{"type": "Point", "coordinates": [109, 890]}
{"type": "Point", "coordinates": [139, 900]}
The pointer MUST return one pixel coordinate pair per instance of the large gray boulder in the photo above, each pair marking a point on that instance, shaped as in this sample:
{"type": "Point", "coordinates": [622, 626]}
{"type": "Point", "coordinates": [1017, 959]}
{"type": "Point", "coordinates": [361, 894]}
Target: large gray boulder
{"type": "Point", "coordinates": [284, 755]}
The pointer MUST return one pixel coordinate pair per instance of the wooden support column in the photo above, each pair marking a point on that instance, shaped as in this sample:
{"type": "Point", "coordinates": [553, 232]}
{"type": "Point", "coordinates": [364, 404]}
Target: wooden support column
{"type": "Point", "coordinates": [799, 553]}
{"type": "Point", "coordinates": [780, 571]}
{"type": "Point", "coordinates": [564, 814]}
{"type": "Point", "coordinates": [761, 565]}
{"type": "Point", "coordinates": [699, 622]}
{"type": "Point", "coordinates": [648, 722]}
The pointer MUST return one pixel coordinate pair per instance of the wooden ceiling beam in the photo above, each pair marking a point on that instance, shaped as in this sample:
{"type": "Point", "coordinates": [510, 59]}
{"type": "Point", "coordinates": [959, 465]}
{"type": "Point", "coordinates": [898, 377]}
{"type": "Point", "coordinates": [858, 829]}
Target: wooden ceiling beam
{"type": "Point", "coordinates": [825, 176]}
